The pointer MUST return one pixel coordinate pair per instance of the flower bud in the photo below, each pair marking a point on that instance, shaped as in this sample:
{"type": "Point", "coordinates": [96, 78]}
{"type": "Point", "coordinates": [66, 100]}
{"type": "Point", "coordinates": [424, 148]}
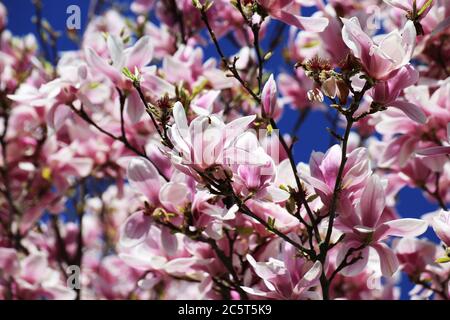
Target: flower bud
{"type": "Point", "coordinates": [269, 96]}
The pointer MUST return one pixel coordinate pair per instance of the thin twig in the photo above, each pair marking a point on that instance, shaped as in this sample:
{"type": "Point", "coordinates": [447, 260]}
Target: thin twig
{"type": "Point", "coordinates": [83, 115]}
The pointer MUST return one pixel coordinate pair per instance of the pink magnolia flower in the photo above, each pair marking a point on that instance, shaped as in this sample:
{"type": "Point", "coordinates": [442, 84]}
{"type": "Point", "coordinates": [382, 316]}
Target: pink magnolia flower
{"type": "Point", "coordinates": [135, 59]}
{"type": "Point", "coordinates": [364, 226]}
{"type": "Point", "coordinates": [64, 163]}
{"type": "Point", "coordinates": [159, 252]}
{"type": "Point", "coordinates": [37, 280]}
{"type": "Point", "coordinates": [441, 225]}
{"type": "Point", "coordinates": [289, 278]}
{"type": "Point", "coordinates": [269, 96]}
{"type": "Point", "coordinates": [144, 178]}
{"type": "Point", "coordinates": [117, 279]}
{"type": "Point", "coordinates": [384, 55]}
{"type": "Point", "coordinates": [440, 150]}
{"type": "Point", "coordinates": [386, 93]}
{"type": "Point", "coordinates": [403, 137]}
{"type": "Point", "coordinates": [288, 12]}
{"type": "Point", "coordinates": [203, 105]}
{"type": "Point", "coordinates": [332, 42]}
{"type": "Point", "coordinates": [205, 142]}
{"type": "Point", "coordinates": [283, 220]}
{"type": "Point", "coordinates": [303, 45]}
{"type": "Point", "coordinates": [256, 179]}
{"type": "Point", "coordinates": [187, 65]}
{"type": "Point", "coordinates": [324, 170]}
{"type": "Point", "coordinates": [414, 254]}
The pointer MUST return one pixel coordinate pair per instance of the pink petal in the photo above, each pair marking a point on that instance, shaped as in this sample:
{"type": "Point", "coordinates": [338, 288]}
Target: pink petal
{"type": "Point", "coordinates": [157, 86]}
{"type": "Point", "coordinates": [140, 54]}
{"type": "Point", "coordinates": [269, 96]}
{"type": "Point", "coordinates": [310, 278]}
{"type": "Point", "coordinates": [312, 24]}
{"type": "Point", "coordinates": [135, 229]}
{"type": "Point", "coordinates": [237, 126]}
{"type": "Point", "coordinates": [409, 40]}
{"type": "Point", "coordinates": [9, 262]}
{"type": "Point", "coordinates": [355, 38]}
{"type": "Point", "coordinates": [434, 151]}
{"type": "Point", "coordinates": [34, 267]}
{"type": "Point", "coordinates": [180, 118]}
{"type": "Point", "coordinates": [261, 269]}
{"type": "Point", "coordinates": [372, 202]}
{"type": "Point", "coordinates": [57, 116]}
{"type": "Point", "coordinates": [142, 259]}
{"type": "Point", "coordinates": [441, 225]}
{"type": "Point", "coordinates": [174, 195]}
{"type": "Point", "coordinates": [411, 110]}
{"type": "Point", "coordinates": [103, 67]}
{"type": "Point", "coordinates": [116, 50]}
{"type": "Point", "coordinates": [83, 166]}
{"type": "Point", "coordinates": [276, 194]}
{"type": "Point", "coordinates": [134, 107]}
{"type": "Point", "coordinates": [403, 228]}
{"type": "Point", "coordinates": [388, 260]}
{"type": "Point", "coordinates": [204, 104]}
{"type": "Point", "coordinates": [144, 177]}
{"type": "Point", "coordinates": [357, 267]}
{"type": "Point", "coordinates": [169, 241]}
{"type": "Point", "coordinates": [180, 265]}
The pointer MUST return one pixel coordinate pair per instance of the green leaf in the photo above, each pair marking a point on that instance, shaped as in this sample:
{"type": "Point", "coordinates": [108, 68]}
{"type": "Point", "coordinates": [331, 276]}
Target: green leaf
{"type": "Point", "coordinates": [270, 224]}
{"type": "Point", "coordinates": [197, 4]}
{"type": "Point", "coordinates": [246, 231]}
{"type": "Point", "coordinates": [207, 5]}
{"type": "Point", "coordinates": [443, 260]}
{"type": "Point", "coordinates": [127, 73]}
{"type": "Point", "coordinates": [425, 7]}
{"type": "Point", "coordinates": [313, 197]}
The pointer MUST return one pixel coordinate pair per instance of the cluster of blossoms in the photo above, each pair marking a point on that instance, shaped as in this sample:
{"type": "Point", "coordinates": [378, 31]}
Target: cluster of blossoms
{"type": "Point", "coordinates": [136, 167]}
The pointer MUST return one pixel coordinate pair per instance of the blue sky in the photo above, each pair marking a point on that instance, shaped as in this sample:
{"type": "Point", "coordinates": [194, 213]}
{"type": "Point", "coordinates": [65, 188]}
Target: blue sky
{"type": "Point", "coordinates": [312, 135]}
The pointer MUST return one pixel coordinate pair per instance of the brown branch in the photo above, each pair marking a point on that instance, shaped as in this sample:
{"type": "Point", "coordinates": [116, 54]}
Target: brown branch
{"type": "Point", "coordinates": [83, 115]}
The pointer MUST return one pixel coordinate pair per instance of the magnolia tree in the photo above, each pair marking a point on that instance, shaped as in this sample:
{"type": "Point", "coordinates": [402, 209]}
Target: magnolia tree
{"type": "Point", "coordinates": [139, 167]}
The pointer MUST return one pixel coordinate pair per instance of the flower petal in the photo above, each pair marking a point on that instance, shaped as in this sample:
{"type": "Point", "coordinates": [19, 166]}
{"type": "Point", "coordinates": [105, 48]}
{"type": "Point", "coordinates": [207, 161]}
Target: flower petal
{"type": "Point", "coordinates": [372, 202]}
{"type": "Point", "coordinates": [403, 228]}
{"type": "Point", "coordinates": [135, 229]}
{"type": "Point", "coordinates": [388, 260]}
{"type": "Point", "coordinates": [411, 110]}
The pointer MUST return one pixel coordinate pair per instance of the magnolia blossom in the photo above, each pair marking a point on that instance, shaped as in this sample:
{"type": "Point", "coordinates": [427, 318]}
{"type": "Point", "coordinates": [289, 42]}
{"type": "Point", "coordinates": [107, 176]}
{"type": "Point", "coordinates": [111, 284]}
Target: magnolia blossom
{"type": "Point", "coordinates": [163, 161]}
{"type": "Point", "coordinates": [384, 55]}
{"type": "Point", "coordinates": [441, 225]}
{"type": "Point", "coordinates": [386, 93]}
{"type": "Point", "coordinates": [288, 12]}
{"type": "Point", "coordinates": [289, 278]}
{"type": "Point", "coordinates": [269, 96]}
{"type": "Point", "coordinates": [438, 150]}
{"type": "Point", "coordinates": [324, 169]}
{"type": "Point", "coordinates": [364, 227]}
{"type": "Point", "coordinates": [206, 141]}
{"type": "Point", "coordinates": [135, 59]}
